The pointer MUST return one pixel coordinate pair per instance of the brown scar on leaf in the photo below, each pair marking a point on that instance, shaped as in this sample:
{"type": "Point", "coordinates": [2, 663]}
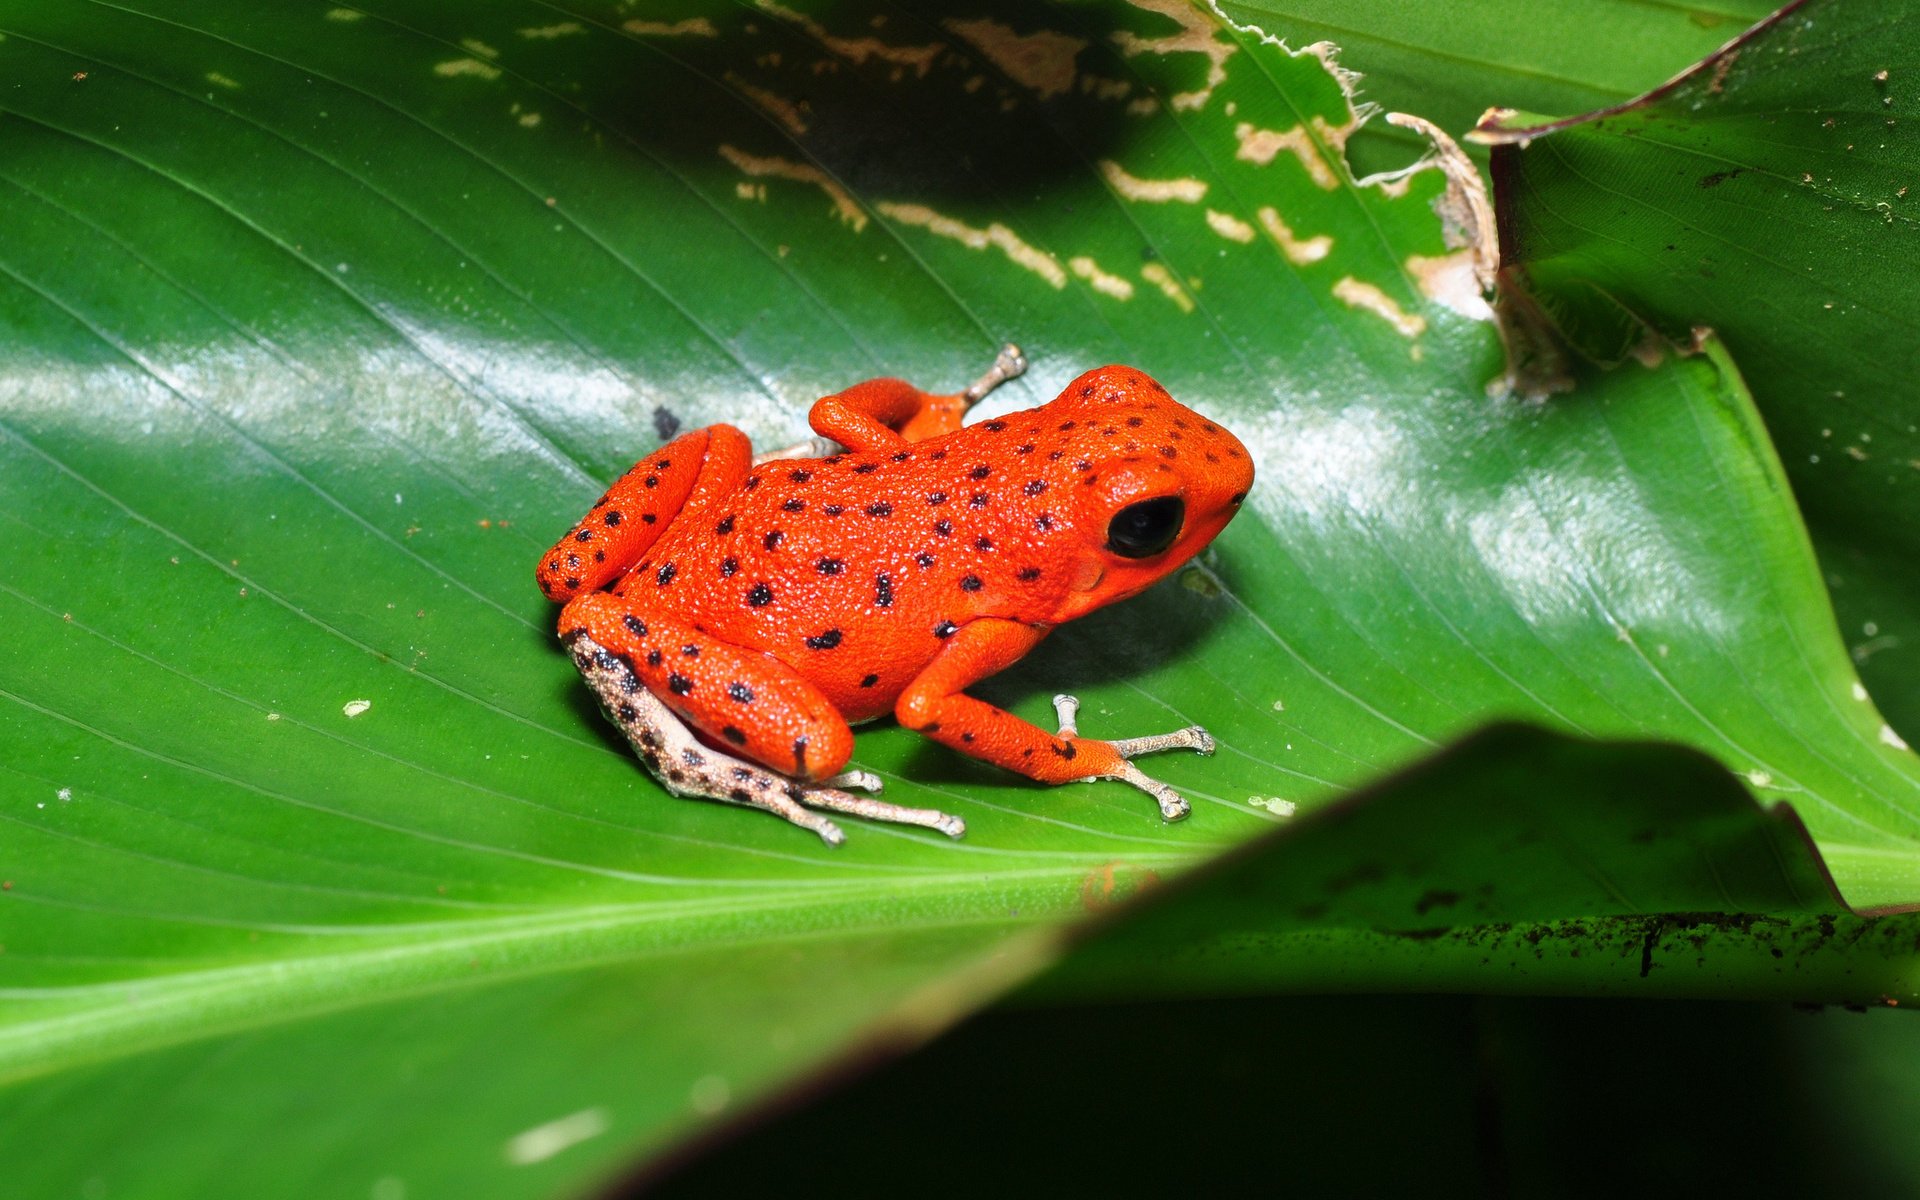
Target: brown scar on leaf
{"type": "Point", "coordinates": [1042, 62]}
{"type": "Point", "coordinates": [781, 109]}
{"type": "Point", "coordinates": [844, 205]}
{"type": "Point", "coordinates": [1198, 34]}
{"type": "Point", "coordinates": [858, 50]}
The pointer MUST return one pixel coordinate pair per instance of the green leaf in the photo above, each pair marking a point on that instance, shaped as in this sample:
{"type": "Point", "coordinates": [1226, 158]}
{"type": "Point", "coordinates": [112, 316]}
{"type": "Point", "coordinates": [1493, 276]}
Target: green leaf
{"type": "Point", "coordinates": [316, 329]}
{"type": "Point", "coordinates": [1450, 62]}
{"type": "Point", "coordinates": [1765, 195]}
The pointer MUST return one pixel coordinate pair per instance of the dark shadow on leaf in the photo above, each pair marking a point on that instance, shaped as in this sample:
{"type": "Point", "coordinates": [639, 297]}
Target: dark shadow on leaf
{"type": "Point", "coordinates": [911, 111]}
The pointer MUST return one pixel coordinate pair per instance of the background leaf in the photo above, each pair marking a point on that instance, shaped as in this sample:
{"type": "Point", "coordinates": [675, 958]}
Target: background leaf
{"type": "Point", "coordinates": [1766, 196]}
{"type": "Point", "coordinates": [316, 329]}
{"type": "Point", "coordinates": [1450, 62]}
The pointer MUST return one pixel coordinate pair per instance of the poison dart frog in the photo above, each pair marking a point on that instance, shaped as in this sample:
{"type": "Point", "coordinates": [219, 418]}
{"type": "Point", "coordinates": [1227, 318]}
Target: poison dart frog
{"type": "Point", "coordinates": [882, 568]}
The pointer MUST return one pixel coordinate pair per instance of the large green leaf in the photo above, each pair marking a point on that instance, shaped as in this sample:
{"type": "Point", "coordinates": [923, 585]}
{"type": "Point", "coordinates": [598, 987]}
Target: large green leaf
{"type": "Point", "coordinates": [1765, 195]}
{"type": "Point", "coordinates": [316, 328]}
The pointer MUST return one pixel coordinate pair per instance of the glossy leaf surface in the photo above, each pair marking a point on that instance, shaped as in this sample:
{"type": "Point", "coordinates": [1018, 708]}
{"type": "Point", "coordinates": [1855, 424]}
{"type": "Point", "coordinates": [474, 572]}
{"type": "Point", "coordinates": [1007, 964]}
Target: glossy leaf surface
{"type": "Point", "coordinates": [317, 327]}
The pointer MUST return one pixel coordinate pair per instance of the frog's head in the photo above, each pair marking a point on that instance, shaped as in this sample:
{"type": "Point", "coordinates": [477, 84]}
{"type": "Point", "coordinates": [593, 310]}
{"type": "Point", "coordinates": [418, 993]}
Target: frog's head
{"type": "Point", "coordinates": [1162, 482]}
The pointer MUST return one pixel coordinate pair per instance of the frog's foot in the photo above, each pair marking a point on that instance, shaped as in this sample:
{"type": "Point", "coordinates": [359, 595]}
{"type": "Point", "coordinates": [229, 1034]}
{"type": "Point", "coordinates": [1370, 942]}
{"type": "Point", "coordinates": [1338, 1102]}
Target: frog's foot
{"type": "Point", "coordinates": [832, 795]}
{"type": "Point", "coordinates": [1010, 363]}
{"type": "Point", "coordinates": [1173, 806]}
{"type": "Point", "coordinates": [688, 767]}
{"type": "Point", "coordinates": [866, 781]}
{"type": "Point", "coordinates": [818, 795]}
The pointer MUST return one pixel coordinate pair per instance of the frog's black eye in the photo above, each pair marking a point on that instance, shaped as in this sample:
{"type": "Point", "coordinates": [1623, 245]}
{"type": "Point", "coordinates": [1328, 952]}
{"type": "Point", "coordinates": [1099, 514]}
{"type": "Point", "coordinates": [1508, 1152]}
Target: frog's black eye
{"type": "Point", "coordinates": [1145, 529]}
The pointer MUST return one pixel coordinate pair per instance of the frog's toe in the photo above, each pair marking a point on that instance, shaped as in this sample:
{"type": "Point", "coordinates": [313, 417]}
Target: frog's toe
{"type": "Point", "coordinates": [828, 831]}
{"type": "Point", "coordinates": [1191, 738]}
{"type": "Point", "coordinates": [1010, 363]}
{"type": "Point", "coordinates": [834, 800]}
{"type": "Point", "coordinates": [865, 781]}
{"type": "Point", "coordinates": [1173, 806]}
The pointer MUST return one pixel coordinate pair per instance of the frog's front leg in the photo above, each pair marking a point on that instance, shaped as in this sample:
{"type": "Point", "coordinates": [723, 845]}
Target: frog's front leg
{"type": "Point", "coordinates": [653, 673]}
{"type": "Point", "coordinates": [935, 703]}
{"type": "Point", "coordinates": [886, 415]}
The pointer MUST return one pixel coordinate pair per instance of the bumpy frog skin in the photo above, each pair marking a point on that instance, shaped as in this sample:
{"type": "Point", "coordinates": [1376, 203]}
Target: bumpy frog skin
{"type": "Point", "coordinates": [882, 568]}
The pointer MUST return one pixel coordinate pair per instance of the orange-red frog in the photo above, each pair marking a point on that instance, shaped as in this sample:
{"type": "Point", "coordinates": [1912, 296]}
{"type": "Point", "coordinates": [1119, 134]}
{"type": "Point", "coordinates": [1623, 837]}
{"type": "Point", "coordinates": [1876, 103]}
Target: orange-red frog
{"type": "Point", "coordinates": [882, 567]}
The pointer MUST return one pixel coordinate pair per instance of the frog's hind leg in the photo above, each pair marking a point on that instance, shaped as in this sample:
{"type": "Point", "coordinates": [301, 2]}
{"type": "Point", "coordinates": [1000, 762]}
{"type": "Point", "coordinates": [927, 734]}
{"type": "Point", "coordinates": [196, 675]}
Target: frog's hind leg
{"type": "Point", "coordinates": [625, 522]}
{"type": "Point", "coordinates": [748, 702]}
{"type": "Point", "coordinates": [884, 415]}
{"type": "Point", "coordinates": [743, 702]}
{"type": "Point", "coordinates": [676, 758]}
{"type": "Point", "coordinates": [687, 767]}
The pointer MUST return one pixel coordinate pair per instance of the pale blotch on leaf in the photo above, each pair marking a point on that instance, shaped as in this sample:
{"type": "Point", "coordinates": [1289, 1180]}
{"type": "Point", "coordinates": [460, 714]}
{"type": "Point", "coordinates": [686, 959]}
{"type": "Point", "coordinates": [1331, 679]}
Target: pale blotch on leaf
{"type": "Point", "coordinates": [346, 16]}
{"type": "Point", "coordinates": [454, 68]}
{"type": "Point", "coordinates": [997, 235]}
{"type": "Point", "coordinates": [1368, 298]}
{"type": "Point", "coordinates": [547, 33]}
{"type": "Point", "coordinates": [773, 104]}
{"type": "Point", "coordinates": [1151, 191]}
{"type": "Point", "coordinates": [219, 80]}
{"type": "Point", "coordinates": [354, 708]}
{"type": "Point", "coordinates": [1041, 62]}
{"type": "Point", "coordinates": [1261, 146]}
{"type": "Point", "coordinates": [691, 27]}
{"type": "Point", "coordinates": [1229, 226]}
{"type": "Point", "coordinates": [1101, 88]}
{"type": "Point", "coordinates": [857, 50]}
{"type": "Point", "coordinates": [844, 205]}
{"type": "Point", "coordinates": [1102, 282]}
{"type": "Point", "coordinates": [476, 46]}
{"type": "Point", "coordinates": [1158, 275]}
{"type": "Point", "coordinates": [1198, 34]}
{"type": "Point", "coordinates": [1299, 251]}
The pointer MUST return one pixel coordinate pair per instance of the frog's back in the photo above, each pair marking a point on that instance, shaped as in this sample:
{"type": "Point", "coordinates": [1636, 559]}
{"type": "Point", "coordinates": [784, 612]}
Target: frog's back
{"type": "Point", "coordinates": [855, 569]}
